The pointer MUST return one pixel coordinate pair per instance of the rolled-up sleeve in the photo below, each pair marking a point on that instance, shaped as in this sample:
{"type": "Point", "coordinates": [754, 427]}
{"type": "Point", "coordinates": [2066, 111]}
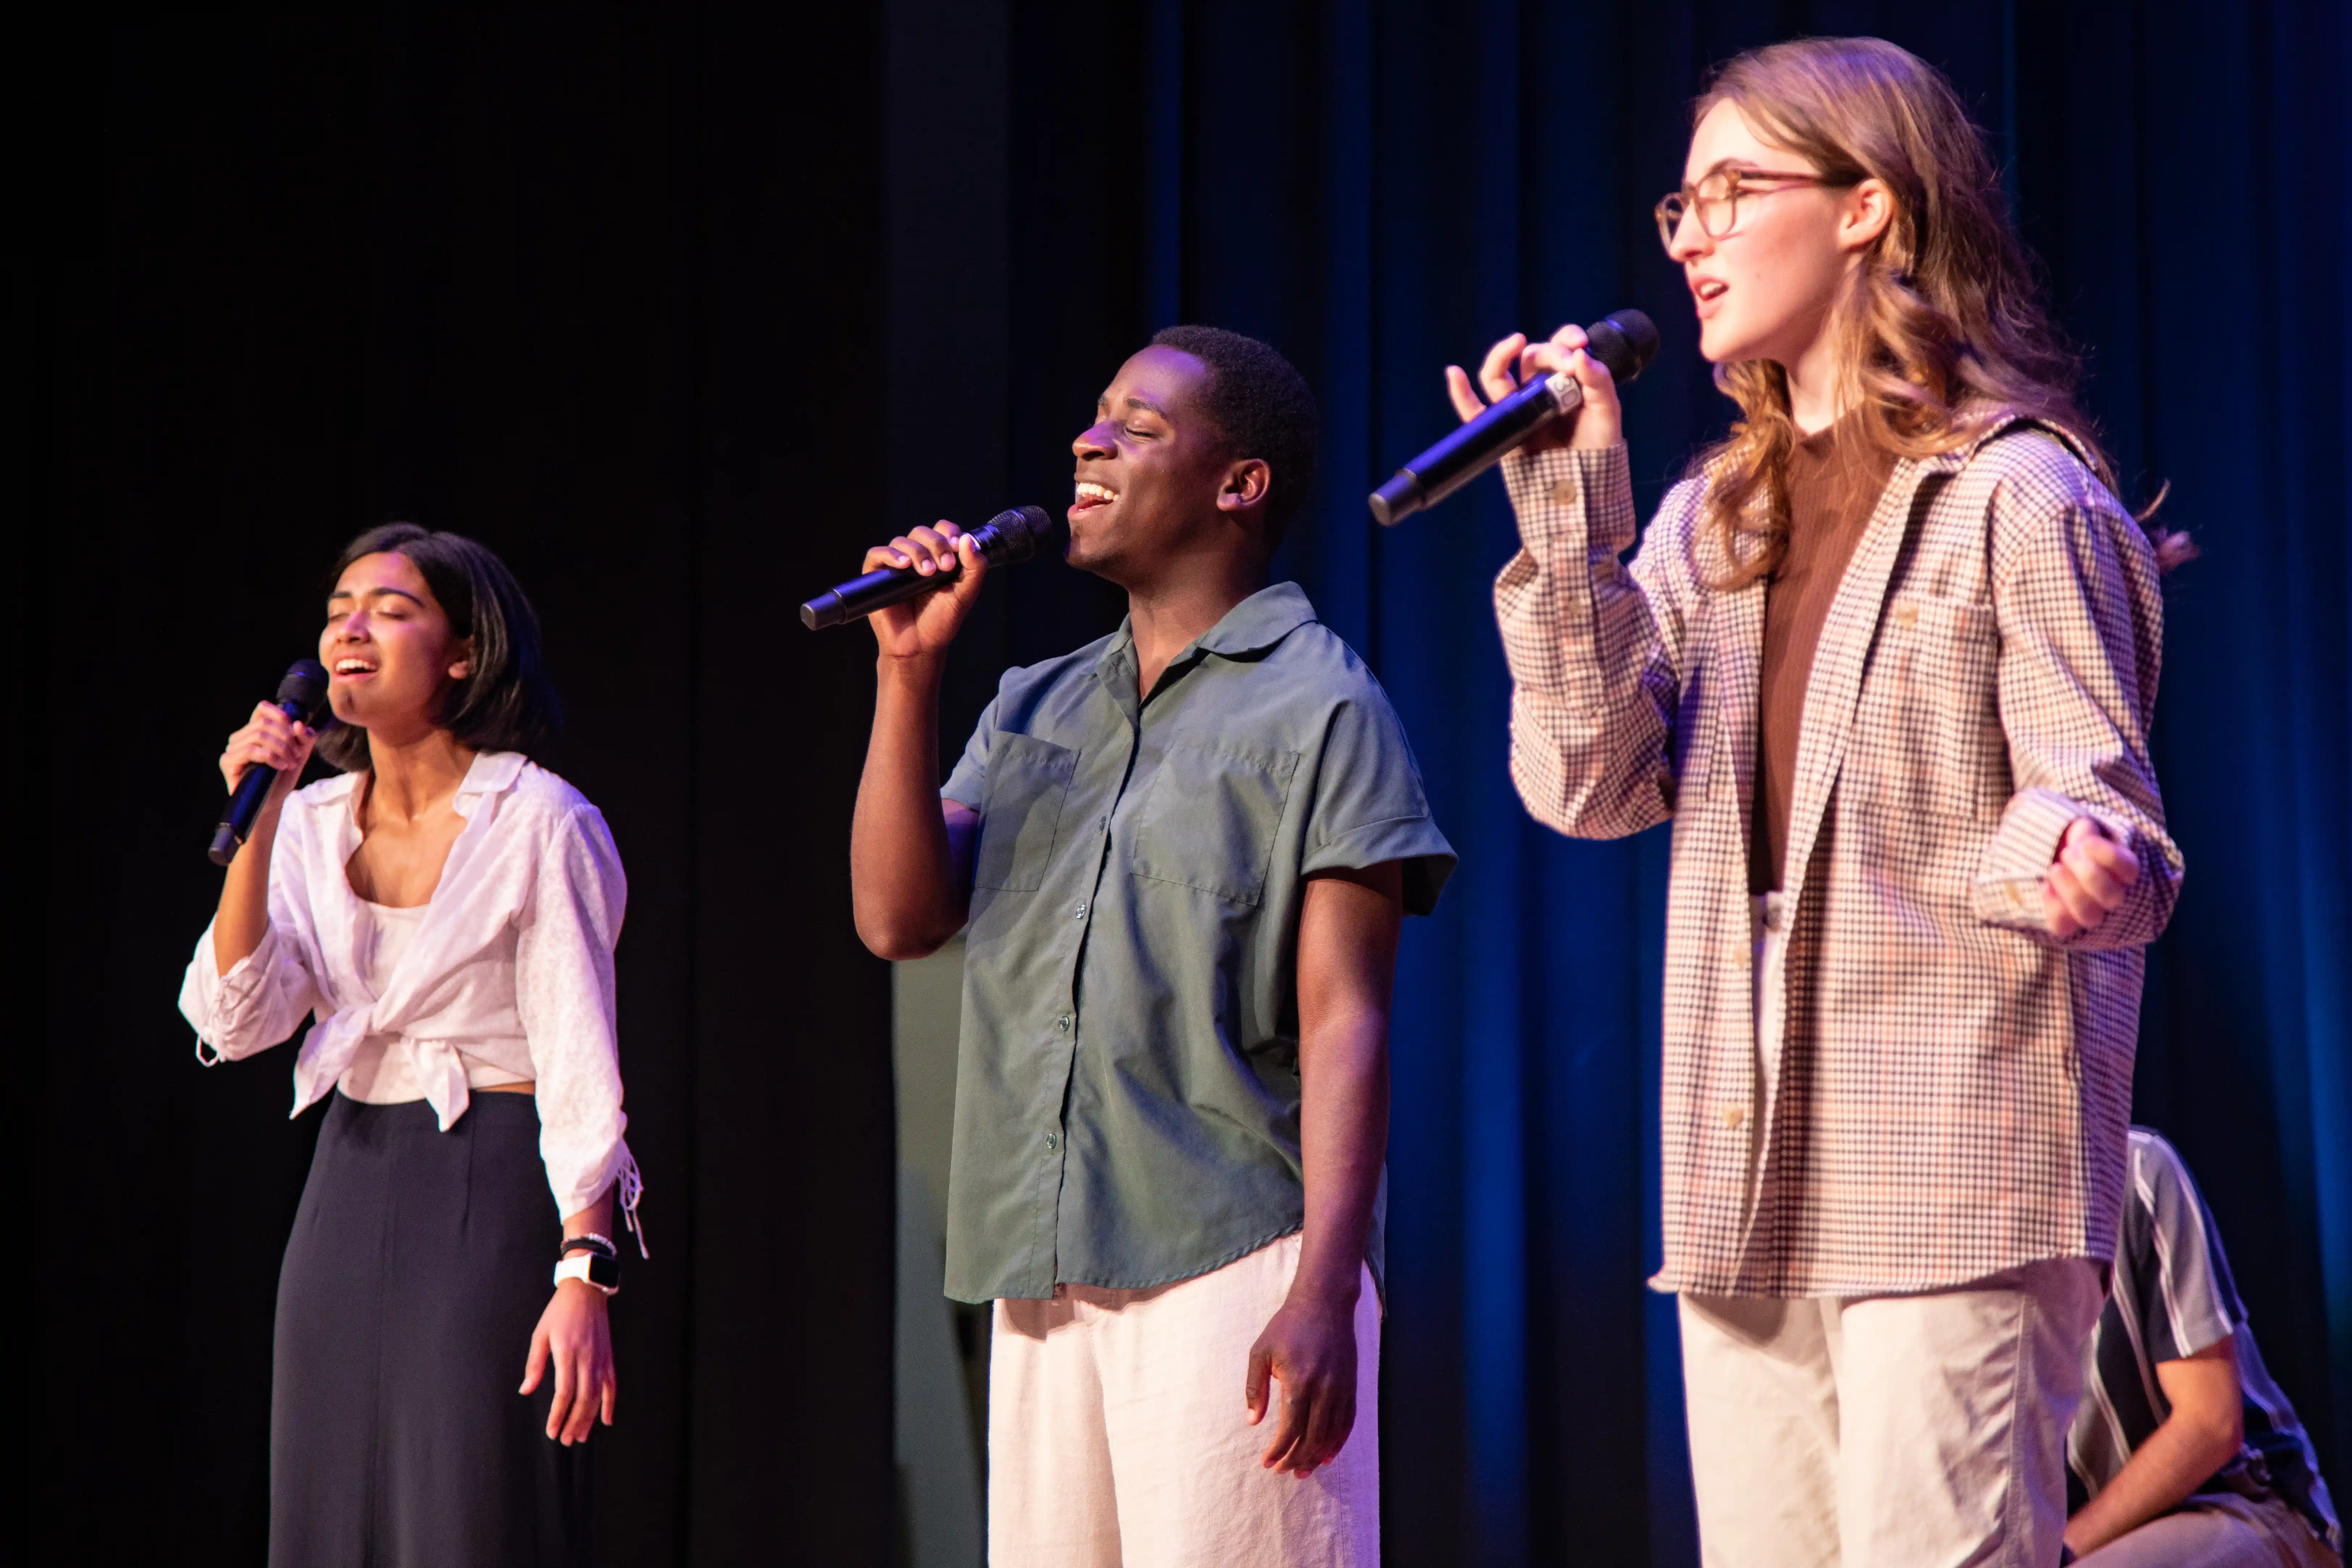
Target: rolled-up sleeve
{"type": "Point", "coordinates": [1369, 808]}
{"type": "Point", "coordinates": [564, 993]}
{"type": "Point", "coordinates": [968, 784]}
{"type": "Point", "coordinates": [2081, 621]}
{"type": "Point", "coordinates": [265, 995]}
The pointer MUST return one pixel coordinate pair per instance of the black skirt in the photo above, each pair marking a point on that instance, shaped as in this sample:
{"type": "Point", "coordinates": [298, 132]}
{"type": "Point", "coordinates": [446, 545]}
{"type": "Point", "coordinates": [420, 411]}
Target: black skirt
{"type": "Point", "coordinates": [418, 1269]}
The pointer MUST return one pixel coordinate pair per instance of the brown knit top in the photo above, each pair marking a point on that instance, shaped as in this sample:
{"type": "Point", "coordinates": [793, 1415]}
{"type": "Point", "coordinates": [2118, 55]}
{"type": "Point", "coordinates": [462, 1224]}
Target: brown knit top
{"type": "Point", "coordinates": [1835, 479]}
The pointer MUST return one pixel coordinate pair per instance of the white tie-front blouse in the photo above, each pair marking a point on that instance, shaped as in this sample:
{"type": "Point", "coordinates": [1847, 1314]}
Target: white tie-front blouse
{"type": "Point", "coordinates": [511, 967]}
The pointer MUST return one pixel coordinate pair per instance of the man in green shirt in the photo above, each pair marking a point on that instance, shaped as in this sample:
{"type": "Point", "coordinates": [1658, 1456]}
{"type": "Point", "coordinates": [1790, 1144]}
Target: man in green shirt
{"type": "Point", "coordinates": [1182, 853]}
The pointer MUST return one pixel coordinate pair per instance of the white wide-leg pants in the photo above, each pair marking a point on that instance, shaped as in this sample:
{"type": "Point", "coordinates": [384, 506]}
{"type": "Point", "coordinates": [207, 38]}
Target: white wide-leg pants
{"type": "Point", "coordinates": [1117, 1438]}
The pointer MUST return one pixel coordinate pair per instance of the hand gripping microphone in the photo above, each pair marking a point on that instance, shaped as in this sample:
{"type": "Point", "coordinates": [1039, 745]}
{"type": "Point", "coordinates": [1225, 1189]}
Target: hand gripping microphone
{"type": "Point", "coordinates": [1007, 537]}
{"type": "Point", "coordinates": [299, 696]}
{"type": "Point", "coordinates": [1624, 342]}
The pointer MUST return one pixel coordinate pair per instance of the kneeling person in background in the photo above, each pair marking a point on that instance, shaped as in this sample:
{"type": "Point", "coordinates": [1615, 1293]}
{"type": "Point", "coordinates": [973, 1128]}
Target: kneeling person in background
{"type": "Point", "coordinates": [2184, 1452]}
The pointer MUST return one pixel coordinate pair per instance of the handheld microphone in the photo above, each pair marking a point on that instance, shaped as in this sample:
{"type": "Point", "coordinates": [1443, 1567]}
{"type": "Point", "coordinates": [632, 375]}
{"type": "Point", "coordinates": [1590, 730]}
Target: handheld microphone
{"type": "Point", "coordinates": [1624, 342]}
{"type": "Point", "coordinates": [299, 696]}
{"type": "Point", "coordinates": [1007, 537]}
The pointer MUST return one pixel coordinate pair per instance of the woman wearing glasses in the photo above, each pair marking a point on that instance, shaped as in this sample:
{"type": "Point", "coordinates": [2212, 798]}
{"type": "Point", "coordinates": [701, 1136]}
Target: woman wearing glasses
{"type": "Point", "coordinates": [447, 909]}
{"type": "Point", "coordinates": [1886, 659]}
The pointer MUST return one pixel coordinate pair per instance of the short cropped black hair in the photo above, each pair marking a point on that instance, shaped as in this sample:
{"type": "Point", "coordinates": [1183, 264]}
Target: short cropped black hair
{"type": "Point", "coordinates": [507, 704]}
{"type": "Point", "coordinates": [1265, 408]}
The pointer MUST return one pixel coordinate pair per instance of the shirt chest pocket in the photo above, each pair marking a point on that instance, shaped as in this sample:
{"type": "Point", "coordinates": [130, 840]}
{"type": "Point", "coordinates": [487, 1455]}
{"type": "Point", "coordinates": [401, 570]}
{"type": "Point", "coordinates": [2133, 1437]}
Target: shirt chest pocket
{"type": "Point", "coordinates": [1930, 708]}
{"type": "Point", "coordinates": [1028, 780]}
{"type": "Point", "coordinates": [1210, 817]}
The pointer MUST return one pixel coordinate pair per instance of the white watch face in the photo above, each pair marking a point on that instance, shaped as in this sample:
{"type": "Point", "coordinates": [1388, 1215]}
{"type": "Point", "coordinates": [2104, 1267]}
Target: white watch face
{"type": "Point", "coordinates": [577, 1267]}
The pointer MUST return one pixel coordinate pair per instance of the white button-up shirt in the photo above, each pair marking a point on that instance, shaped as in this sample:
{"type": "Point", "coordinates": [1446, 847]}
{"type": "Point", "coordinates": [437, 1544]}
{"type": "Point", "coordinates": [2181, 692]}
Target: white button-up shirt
{"type": "Point", "coordinates": [513, 964]}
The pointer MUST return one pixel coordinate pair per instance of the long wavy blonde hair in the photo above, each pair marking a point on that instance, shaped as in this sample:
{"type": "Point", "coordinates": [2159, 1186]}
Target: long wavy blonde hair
{"type": "Point", "coordinates": [1940, 327]}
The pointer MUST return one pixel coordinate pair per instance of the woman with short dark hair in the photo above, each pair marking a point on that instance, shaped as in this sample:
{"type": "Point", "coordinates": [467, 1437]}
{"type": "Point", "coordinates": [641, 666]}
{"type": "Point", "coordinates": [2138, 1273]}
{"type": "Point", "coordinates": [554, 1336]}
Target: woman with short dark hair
{"type": "Point", "coordinates": [448, 908]}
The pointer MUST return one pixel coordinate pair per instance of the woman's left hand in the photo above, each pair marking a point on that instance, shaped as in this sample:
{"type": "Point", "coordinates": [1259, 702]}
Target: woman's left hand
{"type": "Point", "coordinates": [2087, 881]}
{"type": "Point", "coordinates": [576, 1335]}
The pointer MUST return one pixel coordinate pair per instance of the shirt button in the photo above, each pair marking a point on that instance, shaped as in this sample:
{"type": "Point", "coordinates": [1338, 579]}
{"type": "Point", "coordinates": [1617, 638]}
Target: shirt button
{"type": "Point", "coordinates": [1733, 1115]}
{"type": "Point", "coordinates": [1102, 824]}
{"type": "Point", "coordinates": [1062, 1023]}
{"type": "Point", "coordinates": [1053, 1139]}
{"type": "Point", "coordinates": [1080, 913]}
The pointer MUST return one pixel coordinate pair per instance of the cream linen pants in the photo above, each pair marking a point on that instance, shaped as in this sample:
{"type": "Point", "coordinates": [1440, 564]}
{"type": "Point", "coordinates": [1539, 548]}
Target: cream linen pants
{"type": "Point", "coordinates": [1910, 1431]}
{"type": "Point", "coordinates": [1117, 1435]}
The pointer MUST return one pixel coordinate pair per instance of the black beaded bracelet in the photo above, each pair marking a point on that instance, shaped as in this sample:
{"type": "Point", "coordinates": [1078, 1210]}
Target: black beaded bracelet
{"type": "Point", "coordinates": [591, 1242]}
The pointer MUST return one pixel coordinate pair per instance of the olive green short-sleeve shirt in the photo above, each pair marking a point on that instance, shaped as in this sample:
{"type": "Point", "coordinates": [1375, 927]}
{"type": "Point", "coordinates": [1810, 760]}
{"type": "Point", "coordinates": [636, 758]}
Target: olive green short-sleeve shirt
{"type": "Point", "coordinates": [1127, 1095]}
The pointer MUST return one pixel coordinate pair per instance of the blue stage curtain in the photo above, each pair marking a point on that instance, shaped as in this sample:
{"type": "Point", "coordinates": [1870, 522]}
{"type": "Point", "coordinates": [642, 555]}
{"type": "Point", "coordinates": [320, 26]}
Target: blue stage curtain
{"type": "Point", "coordinates": [1383, 190]}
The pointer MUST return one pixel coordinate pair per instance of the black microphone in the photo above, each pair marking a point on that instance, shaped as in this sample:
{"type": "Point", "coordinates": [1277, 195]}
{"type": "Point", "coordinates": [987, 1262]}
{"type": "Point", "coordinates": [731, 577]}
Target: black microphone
{"type": "Point", "coordinates": [300, 697]}
{"type": "Point", "coordinates": [1007, 537]}
{"type": "Point", "coordinates": [1624, 342]}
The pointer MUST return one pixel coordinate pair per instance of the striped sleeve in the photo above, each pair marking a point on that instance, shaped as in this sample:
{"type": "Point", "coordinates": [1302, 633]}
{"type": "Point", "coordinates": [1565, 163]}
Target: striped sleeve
{"type": "Point", "coordinates": [2188, 1301]}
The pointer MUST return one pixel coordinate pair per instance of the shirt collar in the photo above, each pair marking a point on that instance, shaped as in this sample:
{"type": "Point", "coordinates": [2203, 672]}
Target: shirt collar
{"type": "Point", "coordinates": [492, 773]}
{"type": "Point", "coordinates": [1253, 625]}
{"type": "Point", "coordinates": [1258, 622]}
{"type": "Point", "coordinates": [1999, 422]}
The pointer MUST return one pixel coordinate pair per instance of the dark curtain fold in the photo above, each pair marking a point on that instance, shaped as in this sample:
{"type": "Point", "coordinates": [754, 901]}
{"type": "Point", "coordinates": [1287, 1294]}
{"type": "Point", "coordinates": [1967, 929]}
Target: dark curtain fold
{"type": "Point", "coordinates": [678, 307]}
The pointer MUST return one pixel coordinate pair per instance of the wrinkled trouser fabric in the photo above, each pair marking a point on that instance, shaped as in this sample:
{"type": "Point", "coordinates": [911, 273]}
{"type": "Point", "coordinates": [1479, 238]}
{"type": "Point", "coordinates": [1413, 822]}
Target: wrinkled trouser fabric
{"type": "Point", "coordinates": [1117, 1435]}
{"type": "Point", "coordinates": [2220, 1529]}
{"type": "Point", "coordinates": [1923, 1430]}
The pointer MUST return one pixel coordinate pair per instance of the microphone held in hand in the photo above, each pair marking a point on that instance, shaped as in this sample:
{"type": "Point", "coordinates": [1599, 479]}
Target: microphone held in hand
{"type": "Point", "coordinates": [299, 696]}
{"type": "Point", "coordinates": [1007, 537]}
{"type": "Point", "coordinates": [1624, 342]}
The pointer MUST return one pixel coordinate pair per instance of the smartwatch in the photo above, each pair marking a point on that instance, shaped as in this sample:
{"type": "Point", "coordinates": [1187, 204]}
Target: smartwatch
{"type": "Point", "coordinates": [603, 1273]}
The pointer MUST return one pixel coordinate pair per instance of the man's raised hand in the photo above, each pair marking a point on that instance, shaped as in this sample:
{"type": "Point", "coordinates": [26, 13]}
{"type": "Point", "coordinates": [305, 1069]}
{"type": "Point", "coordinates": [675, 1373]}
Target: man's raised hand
{"type": "Point", "coordinates": [921, 628]}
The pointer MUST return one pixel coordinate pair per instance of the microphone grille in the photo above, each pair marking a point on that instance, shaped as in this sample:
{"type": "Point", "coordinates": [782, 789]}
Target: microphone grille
{"type": "Point", "coordinates": [1023, 528]}
{"type": "Point", "coordinates": [305, 685]}
{"type": "Point", "coordinates": [1625, 340]}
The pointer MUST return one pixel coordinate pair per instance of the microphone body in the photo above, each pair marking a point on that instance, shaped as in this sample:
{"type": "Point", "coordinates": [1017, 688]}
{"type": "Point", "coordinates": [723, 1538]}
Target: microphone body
{"type": "Point", "coordinates": [1476, 447]}
{"type": "Point", "coordinates": [1007, 537]}
{"type": "Point", "coordinates": [299, 696]}
{"type": "Point", "coordinates": [1624, 342]}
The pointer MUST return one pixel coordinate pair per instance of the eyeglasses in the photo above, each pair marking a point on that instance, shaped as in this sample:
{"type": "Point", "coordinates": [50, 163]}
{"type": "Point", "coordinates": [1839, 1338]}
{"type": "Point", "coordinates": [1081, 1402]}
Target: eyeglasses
{"type": "Point", "coordinates": [1716, 200]}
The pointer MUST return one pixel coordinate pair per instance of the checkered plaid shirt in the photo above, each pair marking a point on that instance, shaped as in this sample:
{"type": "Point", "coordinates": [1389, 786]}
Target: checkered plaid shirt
{"type": "Point", "coordinates": [1954, 1081]}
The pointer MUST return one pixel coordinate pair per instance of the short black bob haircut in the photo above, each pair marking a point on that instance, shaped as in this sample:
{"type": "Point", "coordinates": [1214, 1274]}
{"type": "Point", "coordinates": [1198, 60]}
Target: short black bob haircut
{"type": "Point", "coordinates": [507, 704]}
{"type": "Point", "coordinates": [1265, 409]}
